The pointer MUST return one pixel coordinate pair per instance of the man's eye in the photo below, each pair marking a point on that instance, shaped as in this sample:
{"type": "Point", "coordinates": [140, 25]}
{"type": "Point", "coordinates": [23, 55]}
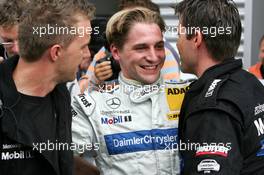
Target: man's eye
{"type": "Point", "coordinates": [8, 40]}
{"type": "Point", "coordinates": [160, 46]}
{"type": "Point", "coordinates": [140, 48]}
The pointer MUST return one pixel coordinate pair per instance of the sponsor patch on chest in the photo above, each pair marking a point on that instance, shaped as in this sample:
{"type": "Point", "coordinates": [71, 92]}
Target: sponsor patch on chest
{"type": "Point", "coordinates": [208, 165]}
{"type": "Point", "coordinates": [15, 152]}
{"type": "Point", "coordinates": [116, 119]}
{"type": "Point", "coordinates": [212, 150]}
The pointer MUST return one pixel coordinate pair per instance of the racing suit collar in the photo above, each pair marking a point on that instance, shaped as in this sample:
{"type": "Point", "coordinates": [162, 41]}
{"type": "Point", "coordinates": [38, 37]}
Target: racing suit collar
{"type": "Point", "coordinates": [131, 85]}
{"type": "Point", "coordinates": [137, 91]}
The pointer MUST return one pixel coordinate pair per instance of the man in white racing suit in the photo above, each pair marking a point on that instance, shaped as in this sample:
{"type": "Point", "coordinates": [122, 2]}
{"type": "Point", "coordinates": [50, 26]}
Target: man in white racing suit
{"type": "Point", "coordinates": [133, 128]}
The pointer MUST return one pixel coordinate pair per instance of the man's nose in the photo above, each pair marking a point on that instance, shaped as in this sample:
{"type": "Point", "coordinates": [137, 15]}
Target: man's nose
{"type": "Point", "coordinates": [153, 55]}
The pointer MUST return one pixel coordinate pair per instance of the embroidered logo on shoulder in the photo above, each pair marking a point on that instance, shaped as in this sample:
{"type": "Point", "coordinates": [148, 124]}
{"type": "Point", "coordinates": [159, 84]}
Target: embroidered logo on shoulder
{"type": "Point", "coordinates": [175, 95]}
{"type": "Point", "coordinates": [212, 87]}
{"type": "Point", "coordinates": [144, 93]}
{"type": "Point", "coordinates": [259, 109]}
{"type": "Point", "coordinates": [208, 165]}
{"type": "Point", "coordinates": [86, 102]}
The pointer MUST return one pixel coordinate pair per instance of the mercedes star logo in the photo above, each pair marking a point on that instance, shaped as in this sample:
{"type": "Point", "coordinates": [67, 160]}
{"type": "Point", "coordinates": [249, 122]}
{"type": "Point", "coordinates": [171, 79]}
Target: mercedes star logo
{"type": "Point", "coordinates": [113, 103]}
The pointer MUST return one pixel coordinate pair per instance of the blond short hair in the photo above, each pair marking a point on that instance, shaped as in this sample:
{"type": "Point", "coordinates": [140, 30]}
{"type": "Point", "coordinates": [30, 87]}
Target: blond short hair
{"type": "Point", "coordinates": [123, 4]}
{"type": "Point", "coordinates": [120, 23]}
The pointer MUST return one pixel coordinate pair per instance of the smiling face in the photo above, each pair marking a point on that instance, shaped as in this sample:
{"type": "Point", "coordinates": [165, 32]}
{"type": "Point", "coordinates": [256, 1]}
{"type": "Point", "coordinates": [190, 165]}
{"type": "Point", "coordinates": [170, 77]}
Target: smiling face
{"type": "Point", "coordinates": [142, 56]}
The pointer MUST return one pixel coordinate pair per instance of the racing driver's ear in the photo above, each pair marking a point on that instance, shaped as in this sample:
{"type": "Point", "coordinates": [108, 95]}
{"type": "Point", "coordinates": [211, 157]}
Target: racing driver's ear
{"type": "Point", "coordinates": [115, 52]}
